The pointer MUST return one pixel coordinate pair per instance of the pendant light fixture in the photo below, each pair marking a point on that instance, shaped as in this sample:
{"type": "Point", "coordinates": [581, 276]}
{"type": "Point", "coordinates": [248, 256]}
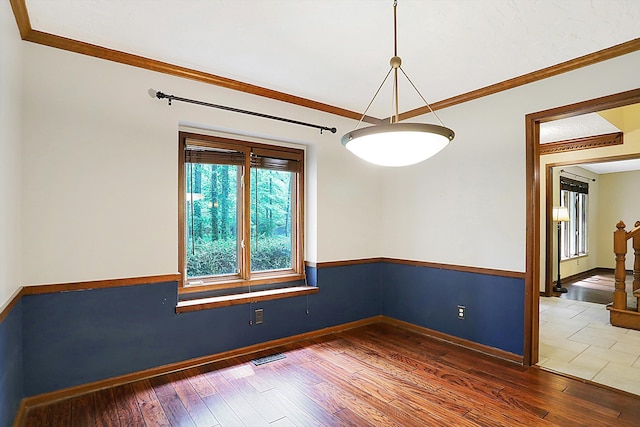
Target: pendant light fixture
{"type": "Point", "coordinates": [397, 144]}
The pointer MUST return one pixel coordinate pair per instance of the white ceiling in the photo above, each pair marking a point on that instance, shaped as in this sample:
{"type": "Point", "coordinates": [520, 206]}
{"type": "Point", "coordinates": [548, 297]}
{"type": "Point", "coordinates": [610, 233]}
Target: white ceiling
{"type": "Point", "coordinates": [575, 127]}
{"type": "Point", "coordinates": [337, 51]}
{"type": "Point", "coordinates": [613, 167]}
{"type": "Point", "coordinates": [582, 126]}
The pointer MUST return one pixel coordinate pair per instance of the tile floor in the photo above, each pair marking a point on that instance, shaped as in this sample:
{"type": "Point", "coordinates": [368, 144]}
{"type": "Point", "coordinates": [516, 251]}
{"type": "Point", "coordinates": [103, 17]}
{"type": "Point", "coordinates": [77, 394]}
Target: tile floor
{"type": "Point", "coordinates": [576, 338]}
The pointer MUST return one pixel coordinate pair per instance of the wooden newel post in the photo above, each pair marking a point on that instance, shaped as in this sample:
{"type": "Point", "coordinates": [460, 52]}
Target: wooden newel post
{"type": "Point", "coordinates": [620, 249]}
{"type": "Point", "coordinates": [636, 262]}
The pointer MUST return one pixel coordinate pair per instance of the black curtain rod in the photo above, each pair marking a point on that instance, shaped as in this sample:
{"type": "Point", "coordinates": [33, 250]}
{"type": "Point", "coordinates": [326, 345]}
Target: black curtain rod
{"type": "Point", "coordinates": [579, 176]}
{"type": "Point", "coordinates": [161, 95]}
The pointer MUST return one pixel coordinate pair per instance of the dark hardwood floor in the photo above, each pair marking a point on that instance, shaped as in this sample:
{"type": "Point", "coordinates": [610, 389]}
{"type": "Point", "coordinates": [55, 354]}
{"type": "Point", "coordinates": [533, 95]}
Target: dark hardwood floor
{"type": "Point", "coordinates": [376, 375]}
{"type": "Point", "coordinates": [597, 288]}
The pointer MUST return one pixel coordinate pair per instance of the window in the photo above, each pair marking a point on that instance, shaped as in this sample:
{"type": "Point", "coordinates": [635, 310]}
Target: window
{"type": "Point", "coordinates": [240, 217]}
{"type": "Point", "coordinates": [574, 195]}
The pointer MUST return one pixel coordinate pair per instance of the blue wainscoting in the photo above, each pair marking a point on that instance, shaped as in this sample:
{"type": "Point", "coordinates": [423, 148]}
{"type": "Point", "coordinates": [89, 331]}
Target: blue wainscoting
{"type": "Point", "coordinates": [65, 339]}
{"type": "Point", "coordinates": [72, 338]}
{"type": "Point", "coordinates": [429, 297]}
{"type": "Point", "coordinates": [11, 372]}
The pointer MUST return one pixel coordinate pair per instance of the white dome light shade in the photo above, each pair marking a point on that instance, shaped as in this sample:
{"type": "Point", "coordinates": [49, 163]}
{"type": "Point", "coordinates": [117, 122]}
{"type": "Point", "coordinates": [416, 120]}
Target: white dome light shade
{"type": "Point", "coordinates": [398, 144]}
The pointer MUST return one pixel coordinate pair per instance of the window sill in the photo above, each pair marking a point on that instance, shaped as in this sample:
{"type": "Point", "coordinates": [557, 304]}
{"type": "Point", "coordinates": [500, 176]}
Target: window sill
{"type": "Point", "coordinates": [263, 279]}
{"type": "Point", "coordinates": [574, 257]}
{"type": "Point", "coordinates": [244, 298]}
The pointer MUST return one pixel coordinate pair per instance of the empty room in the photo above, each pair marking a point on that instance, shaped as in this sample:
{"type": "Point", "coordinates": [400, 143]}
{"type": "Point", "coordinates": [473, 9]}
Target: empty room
{"type": "Point", "coordinates": [297, 213]}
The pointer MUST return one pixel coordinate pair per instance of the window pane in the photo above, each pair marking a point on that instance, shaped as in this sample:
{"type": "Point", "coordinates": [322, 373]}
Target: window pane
{"type": "Point", "coordinates": [211, 219]}
{"type": "Point", "coordinates": [574, 232]}
{"type": "Point", "coordinates": [564, 226]}
{"type": "Point", "coordinates": [582, 224]}
{"type": "Point", "coordinates": [272, 205]}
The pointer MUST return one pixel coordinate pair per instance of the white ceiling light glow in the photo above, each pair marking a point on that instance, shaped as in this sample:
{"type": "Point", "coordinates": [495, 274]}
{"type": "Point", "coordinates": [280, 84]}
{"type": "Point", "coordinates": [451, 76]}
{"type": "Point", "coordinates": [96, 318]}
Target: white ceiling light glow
{"type": "Point", "coordinates": [397, 144]}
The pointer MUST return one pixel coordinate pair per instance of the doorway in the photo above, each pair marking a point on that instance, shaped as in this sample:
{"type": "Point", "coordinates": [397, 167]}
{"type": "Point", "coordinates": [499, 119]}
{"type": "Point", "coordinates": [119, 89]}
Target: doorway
{"type": "Point", "coordinates": [582, 343]}
{"type": "Point", "coordinates": [534, 245]}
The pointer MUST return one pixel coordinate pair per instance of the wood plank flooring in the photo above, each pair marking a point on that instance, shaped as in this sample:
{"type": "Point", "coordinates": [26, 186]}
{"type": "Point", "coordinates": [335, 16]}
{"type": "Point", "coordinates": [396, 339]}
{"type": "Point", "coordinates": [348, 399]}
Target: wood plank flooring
{"type": "Point", "coordinates": [597, 288]}
{"type": "Point", "coordinates": [376, 375]}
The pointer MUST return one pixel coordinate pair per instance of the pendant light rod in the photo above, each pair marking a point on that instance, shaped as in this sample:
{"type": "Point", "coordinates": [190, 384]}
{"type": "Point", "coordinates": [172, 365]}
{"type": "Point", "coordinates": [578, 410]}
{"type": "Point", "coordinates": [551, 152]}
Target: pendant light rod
{"type": "Point", "coordinates": [395, 28]}
{"type": "Point", "coordinates": [397, 144]}
{"type": "Point", "coordinates": [396, 62]}
{"type": "Point", "coordinates": [170, 98]}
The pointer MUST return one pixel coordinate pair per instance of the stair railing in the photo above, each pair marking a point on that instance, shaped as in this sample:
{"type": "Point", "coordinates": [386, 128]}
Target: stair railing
{"type": "Point", "coordinates": [620, 237]}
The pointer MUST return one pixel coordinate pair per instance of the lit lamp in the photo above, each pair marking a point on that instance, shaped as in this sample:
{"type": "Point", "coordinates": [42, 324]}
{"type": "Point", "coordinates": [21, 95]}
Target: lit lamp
{"type": "Point", "coordinates": [397, 144]}
{"type": "Point", "coordinates": [560, 215]}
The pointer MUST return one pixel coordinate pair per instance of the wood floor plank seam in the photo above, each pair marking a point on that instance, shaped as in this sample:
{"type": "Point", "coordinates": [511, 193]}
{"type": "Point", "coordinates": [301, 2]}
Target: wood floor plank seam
{"type": "Point", "coordinates": [373, 375]}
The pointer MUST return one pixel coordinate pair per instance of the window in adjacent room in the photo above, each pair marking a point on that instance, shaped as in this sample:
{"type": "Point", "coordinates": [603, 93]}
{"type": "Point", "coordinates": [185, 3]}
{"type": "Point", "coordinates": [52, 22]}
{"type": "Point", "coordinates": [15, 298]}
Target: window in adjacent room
{"type": "Point", "coordinates": [575, 196]}
{"type": "Point", "coordinates": [240, 212]}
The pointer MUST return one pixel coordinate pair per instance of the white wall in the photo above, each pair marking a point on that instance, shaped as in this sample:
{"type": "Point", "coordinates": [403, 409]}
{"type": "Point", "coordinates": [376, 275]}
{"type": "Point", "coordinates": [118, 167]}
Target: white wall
{"type": "Point", "coordinates": [10, 128]}
{"type": "Point", "coordinates": [100, 160]}
{"type": "Point", "coordinates": [466, 206]}
{"type": "Point", "coordinates": [619, 201]}
{"type": "Point", "coordinates": [100, 169]}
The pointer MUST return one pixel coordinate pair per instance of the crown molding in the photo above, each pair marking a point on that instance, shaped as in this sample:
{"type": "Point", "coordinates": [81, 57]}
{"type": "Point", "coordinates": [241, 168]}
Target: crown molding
{"type": "Point", "coordinates": [585, 143]}
{"type": "Point", "coordinates": [554, 70]}
{"type": "Point", "coordinates": [29, 34]}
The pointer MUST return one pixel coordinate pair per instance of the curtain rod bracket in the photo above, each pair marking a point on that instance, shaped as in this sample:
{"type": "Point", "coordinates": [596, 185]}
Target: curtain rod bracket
{"type": "Point", "coordinates": [162, 95]}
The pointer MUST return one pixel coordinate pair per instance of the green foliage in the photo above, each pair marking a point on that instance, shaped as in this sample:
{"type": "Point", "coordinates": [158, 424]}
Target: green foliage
{"type": "Point", "coordinates": [212, 258]}
{"type": "Point", "coordinates": [271, 253]}
{"type": "Point", "coordinates": [212, 213]}
{"type": "Point", "coordinates": [220, 257]}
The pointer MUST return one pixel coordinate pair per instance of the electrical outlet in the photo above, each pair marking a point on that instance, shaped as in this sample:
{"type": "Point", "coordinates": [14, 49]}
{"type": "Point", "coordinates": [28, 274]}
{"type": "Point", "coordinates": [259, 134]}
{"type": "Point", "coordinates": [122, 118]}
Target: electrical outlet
{"type": "Point", "coordinates": [259, 315]}
{"type": "Point", "coordinates": [461, 309]}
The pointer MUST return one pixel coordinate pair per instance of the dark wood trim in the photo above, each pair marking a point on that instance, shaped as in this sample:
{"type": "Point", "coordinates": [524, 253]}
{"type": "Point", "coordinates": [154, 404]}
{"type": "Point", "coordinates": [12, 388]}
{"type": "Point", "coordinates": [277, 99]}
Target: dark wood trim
{"type": "Point", "coordinates": [585, 143]}
{"type": "Point", "coordinates": [95, 51]}
{"type": "Point", "coordinates": [466, 269]}
{"type": "Point", "coordinates": [481, 348]}
{"type": "Point", "coordinates": [344, 263]}
{"type": "Point", "coordinates": [22, 17]}
{"type": "Point", "coordinates": [532, 160]}
{"type": "Point", "coordinates": [46, 398]}
{"type": "Point", "coordinates": [554, 70]}
{"type": "Point", "coordinates": [462, 268]}
{"type": "Point", "coordinates": [21, 414]}
{"type": "Point", "coordinates": [532, 245]}
{"type": "Point", "coordinates": [6, 308]}
{"type": "Point", "coordinates": [98, 284]}
{"type": "Point", "coordinates": [29, 34]}
{"type": "Point", "coordinates": [590, 106]}
{"type": "Point", "coordinates": [244, 298]}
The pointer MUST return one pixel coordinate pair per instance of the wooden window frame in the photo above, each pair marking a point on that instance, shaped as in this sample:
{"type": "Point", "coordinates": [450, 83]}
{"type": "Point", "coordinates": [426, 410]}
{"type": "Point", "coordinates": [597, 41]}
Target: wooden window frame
{"type": "Point", "coordinates": [575, 232]}
{"type": "Point", "coordinates": [244, 277]}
